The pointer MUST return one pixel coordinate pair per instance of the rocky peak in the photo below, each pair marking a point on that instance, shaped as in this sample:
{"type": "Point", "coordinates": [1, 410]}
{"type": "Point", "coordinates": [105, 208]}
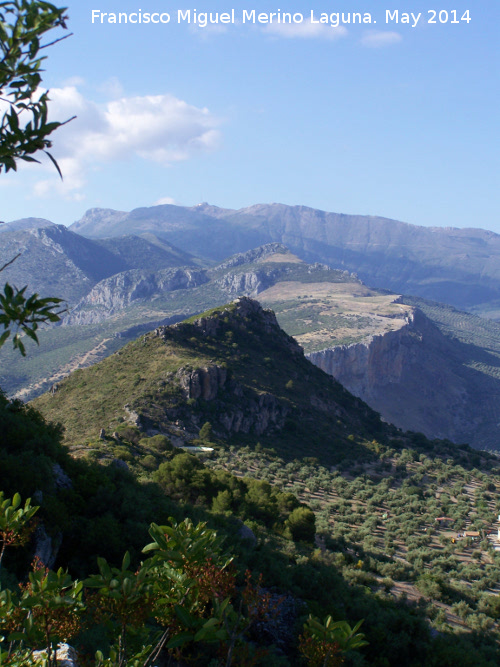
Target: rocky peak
{"type": "Point", "coordinates": [25, 224]}
{"type": "Point", "coordinates": [242, 313]}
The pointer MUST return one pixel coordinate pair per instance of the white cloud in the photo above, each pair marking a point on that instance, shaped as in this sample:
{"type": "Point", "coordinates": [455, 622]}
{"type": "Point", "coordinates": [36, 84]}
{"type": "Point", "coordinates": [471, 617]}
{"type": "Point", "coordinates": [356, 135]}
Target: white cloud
{"type": "Point", "coordinates": [157, 128]}
{"type": "Point", "coordinates": [378, 39]}
{"type": "Point", "coordinates": [164, 200]}
{"type": "Point", "coordinates": [305, 30]}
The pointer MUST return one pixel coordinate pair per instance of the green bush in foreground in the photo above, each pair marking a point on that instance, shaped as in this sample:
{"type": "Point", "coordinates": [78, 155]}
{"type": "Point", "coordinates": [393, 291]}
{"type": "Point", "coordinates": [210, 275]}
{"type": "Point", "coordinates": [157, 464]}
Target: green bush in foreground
{"type": "Point", "coordinates": [183, 599]}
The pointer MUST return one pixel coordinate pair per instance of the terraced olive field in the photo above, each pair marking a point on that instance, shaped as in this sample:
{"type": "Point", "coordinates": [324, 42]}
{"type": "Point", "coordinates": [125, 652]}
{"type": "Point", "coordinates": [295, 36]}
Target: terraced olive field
{"type": "Point", "coordinates": [382, 517]}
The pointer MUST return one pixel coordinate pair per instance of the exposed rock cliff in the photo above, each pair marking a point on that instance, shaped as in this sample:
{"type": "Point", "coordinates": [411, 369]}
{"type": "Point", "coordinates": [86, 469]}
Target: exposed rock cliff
{"type": "Point", "coordinates": [402, 374]}
{"type": "Point", "coordinates": [254, 413]}
{"type": "Point", "coordinates": [119, 291]}
{"type": "Point", "coordinates": [202, 382]}
{"type": "Point", "coordinates": [250, 282]}
{"type": "Point", "coordinates": [258, 414]}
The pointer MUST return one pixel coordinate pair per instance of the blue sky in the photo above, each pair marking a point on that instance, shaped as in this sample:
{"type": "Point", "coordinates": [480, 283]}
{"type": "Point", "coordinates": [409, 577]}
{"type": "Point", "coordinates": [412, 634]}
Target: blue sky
{"type": "Point", "coordinates": [380, 119]}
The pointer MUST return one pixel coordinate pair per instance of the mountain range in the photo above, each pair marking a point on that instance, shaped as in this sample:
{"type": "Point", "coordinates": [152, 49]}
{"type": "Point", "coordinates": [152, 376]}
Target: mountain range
{"type": "Point", "coordinates": [460, 267]}
{"type": "Point", "coordinates": [424, 366]}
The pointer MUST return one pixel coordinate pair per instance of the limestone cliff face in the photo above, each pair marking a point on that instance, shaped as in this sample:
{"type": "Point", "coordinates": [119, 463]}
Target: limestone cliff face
{"type": "Point", "coordinates": [250, 282]}
{"type": "Point", "coordinates": [202, 382]}
{"type": "Point", "coordinates": [254, 413]}
{"type": "Point", "coordinates": [258, 414]}
{"type": "Point", "coordinates": [380, 361]}
{"type": "Point", "coordinates": [119, 291]}
{"type": "Point", "coordinates": [411, 376]}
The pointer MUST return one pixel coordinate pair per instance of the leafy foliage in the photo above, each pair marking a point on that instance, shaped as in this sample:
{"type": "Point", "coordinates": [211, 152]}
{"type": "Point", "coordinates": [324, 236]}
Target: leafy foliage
{"type": "Point", "coordinates": [24, 129]}
{"type": "Point", "coordinates": [179, 599]}
{"type": "Point", "coordinates": [14, 522]}
{"type": "Point", "coordinates": [25, 313]}
{"type": "Point", "coordinates": [324, 643]}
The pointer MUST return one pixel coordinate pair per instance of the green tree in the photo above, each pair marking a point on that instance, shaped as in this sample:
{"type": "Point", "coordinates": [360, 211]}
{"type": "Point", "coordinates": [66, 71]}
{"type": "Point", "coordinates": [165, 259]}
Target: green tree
{"type": "Point", "coordinates": [206, 432]}
{"type": "Point", "coordinates": [24, 132]}
{"type": "Point", "coordinates": [24, 129]}
{"type": "Point", "coordinates": [324, 644]}
{"type": "Point", "coordinates": [302, 524]}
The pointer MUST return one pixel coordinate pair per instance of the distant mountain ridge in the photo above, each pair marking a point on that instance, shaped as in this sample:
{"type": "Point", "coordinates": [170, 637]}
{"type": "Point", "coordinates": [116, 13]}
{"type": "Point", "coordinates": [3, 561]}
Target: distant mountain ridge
{"type": "Point", "coordinates": [55, 261]}
{"type": "Point", "coordinates": [456, 266]}
{"type": "Point", "coordinates": [25, 224]}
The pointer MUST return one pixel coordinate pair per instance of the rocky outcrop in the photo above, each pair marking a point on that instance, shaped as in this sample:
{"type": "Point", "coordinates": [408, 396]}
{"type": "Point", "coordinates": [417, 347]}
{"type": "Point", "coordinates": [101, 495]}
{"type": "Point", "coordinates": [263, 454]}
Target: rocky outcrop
{"type": "Point", "coordinates": [239, 313]}
{"type": "Point", "coordinates": [132, 416]}
{"type": "Point", "coordinates": [257, 415]}
{"type": "Point", "coordinates": [113, 294]}
{"type": "Point", "coordinates": [401, 374]}
{"type": "Point", "coordinates": [247, 533]}
{"type": "Point", "coordinates": [66, 656]}
{"type": "Point", "coordinates": [239, 409]}
{"type": "Point", "coordinates": [46, 547]}
{"type": "Point", "coordinates": [202, 382]}
{"type": "Point", "coordinates": [249, 283]}
{"type": "Point", "coordinates": [61, 479]}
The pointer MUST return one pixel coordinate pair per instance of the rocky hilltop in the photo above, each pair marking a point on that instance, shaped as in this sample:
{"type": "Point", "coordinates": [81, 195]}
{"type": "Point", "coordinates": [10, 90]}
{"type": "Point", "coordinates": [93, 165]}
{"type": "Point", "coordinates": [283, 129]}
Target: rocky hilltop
{"type": "Point", "coordinates": [233, 366]}
{"type": "Point", "coordinates": [256, 412]}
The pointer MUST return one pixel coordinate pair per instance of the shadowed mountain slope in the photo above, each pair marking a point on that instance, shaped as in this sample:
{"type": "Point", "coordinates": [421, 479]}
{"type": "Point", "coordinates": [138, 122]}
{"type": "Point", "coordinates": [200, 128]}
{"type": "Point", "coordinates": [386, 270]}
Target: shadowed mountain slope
{"type": "Point", "coordinates": [56, 262]}
{"type": "Point", "coordinates": [146, 252]}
